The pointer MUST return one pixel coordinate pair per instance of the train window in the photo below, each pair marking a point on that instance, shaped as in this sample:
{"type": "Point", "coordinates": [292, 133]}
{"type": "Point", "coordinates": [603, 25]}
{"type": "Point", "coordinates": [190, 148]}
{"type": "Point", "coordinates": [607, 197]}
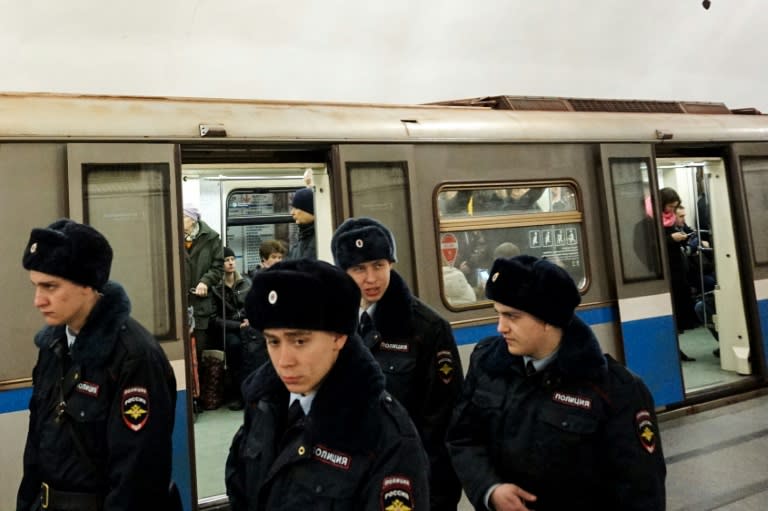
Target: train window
{"type": "Point", "coordinates": [637, 234]}
{"type": "Point", "coordinates": [380, 191]}
{"type": "Point", "coordinates": [130, 204]}
{"type": "Point", "coordinates": [478, 225]}
{"type": "Point", "coordinates": [756, 186]}
{"type": "Point", "coordinates": [254, 216]}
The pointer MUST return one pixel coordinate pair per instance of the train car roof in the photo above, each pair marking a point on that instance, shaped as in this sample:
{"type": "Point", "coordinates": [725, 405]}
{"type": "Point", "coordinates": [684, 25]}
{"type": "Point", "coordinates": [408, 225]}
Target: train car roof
{"type": "Point", "coordinates": [123, 118]}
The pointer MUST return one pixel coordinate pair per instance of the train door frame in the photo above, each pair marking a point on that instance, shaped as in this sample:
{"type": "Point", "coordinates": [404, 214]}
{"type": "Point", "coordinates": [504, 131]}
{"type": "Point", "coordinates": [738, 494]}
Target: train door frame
{"type": "Point", "coordinates": [97, 153]}
{"type": "Point", "coordinates": [643, 296]}
{"type": "Point", "coordinates": [730, 301]}
{"type": "Point", "coordinates": [754, 271]}
{"type": "Point", "coordinates": [352, 158]}
{"type": "Point", "coordinates": [267, 177]}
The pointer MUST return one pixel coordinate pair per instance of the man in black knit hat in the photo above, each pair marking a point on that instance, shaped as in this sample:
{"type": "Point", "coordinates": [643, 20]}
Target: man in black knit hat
{"type": "Point", "coordinates": [104, 396]}
{"type": "Point", "coordinates": [320, 431]}
{"type": "Point", "coordinates": [303, 213]}
{"type": "Point", "coordinates": [545, 420]}
{"type": "Point", "coordinates": [411, 342]}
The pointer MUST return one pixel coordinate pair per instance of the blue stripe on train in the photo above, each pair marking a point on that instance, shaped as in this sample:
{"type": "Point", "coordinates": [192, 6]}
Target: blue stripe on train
{"type": "Point", "coordinates": [762, 310]}
{"type": "Point", "coordinates": [17, 400]}
{"type": "Point", "coordinates": [650, 349]}
{"type": "Point", "coordinates": [472, 334]}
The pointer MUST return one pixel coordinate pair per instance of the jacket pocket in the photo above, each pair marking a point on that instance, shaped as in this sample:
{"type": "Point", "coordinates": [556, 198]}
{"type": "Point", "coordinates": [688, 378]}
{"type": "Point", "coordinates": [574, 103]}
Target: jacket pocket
{"type": "Point", "coordinates": [399, 371]}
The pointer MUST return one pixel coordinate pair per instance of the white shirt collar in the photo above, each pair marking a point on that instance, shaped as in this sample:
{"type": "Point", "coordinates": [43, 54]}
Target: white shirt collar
{"type": "Point", "coordinates": [71, 336]}
{"type": "Point", "coordinates": [541, 363]}
{"type": "Point", "coordinates": [369, 310]}
{"type": "Point", "coordinates": [305, 400]}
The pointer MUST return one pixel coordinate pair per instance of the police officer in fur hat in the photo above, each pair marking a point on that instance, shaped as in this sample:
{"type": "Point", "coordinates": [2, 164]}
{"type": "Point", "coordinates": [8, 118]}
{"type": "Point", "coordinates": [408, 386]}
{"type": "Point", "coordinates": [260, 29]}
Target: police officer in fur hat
{"type": "Point", "coordinates": [546, 421]}
{"type": "Point", "coordinates": [411, 342]}
{"type": "Point", "coordinates": [104, 395]}
{"type": "Point", "coordinates": [320, 430]}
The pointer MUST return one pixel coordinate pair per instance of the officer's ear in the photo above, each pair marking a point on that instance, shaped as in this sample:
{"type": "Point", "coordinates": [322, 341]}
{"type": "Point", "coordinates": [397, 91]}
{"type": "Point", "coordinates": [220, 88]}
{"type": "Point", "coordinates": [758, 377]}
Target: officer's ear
{"type": "Point", "coordinates": [339, 341]}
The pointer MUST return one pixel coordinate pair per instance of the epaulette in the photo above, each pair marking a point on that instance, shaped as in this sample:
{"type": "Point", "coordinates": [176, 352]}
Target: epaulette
{"type": "Point", "coordinates": [622, 373]}
{"type": "Point", "coordinates": [397, 412]}
{"type": "Point", "coordinates": [484, 343]}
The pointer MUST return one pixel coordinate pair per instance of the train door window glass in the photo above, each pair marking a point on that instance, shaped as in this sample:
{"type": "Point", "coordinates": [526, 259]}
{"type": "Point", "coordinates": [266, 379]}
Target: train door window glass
{"type": "Point", "coordinates": [380, 191]}
{"type": "Point", "coordinates": [130, 204]}
{"type": "Point", "coordinates": [636, 229]}
{"type": "Point", "coordinates": [478, 225]}
{"type": "Point", "coordinates": [254, 216]}
{"type": "Point", "coordinates": [756, 186]}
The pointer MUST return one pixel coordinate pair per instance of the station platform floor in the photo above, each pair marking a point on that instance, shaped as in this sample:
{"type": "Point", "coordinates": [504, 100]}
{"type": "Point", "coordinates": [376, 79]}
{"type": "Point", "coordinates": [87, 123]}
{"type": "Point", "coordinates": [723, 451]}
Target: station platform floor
{"type": "Point", "coordinates": [718, 459]}
{"type": "Point", "coordinates": [717, 455]}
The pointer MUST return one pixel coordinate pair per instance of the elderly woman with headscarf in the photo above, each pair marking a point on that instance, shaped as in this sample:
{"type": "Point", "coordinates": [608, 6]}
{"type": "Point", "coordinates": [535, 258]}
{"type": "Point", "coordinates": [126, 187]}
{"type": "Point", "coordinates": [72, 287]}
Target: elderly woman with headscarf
{"type": "Point", "coordinates": [203, 269]}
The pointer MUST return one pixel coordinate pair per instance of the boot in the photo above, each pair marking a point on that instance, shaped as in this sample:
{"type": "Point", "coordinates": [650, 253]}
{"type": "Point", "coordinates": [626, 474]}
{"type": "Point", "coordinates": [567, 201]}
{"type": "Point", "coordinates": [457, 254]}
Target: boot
{"type": "Point", "coordinates": [686, 358]}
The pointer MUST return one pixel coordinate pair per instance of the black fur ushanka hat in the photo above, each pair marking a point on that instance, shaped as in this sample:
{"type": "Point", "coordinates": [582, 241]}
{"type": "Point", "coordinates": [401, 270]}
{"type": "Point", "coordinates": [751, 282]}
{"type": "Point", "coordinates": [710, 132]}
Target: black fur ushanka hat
{"type": "Point", "coordinates": [70, 250]}
{"type": "Point", "coordinates": [362, 239]}
{"type": "Point", "coordinates": [303, 294]}
{"type": "Point", "coordinates": [535, 286]}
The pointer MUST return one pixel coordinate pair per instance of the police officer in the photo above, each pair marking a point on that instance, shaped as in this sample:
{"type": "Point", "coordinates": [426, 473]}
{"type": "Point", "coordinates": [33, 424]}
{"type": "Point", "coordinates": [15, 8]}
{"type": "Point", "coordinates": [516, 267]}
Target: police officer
{"type": "Point", "coordinates": [102, 406]}
{"type": "Point", "coordinates": [545, 420]}
{"type": "Point", "coordinates": [320, 431]}
{"type": "Point", "coordinates": [412, 343]}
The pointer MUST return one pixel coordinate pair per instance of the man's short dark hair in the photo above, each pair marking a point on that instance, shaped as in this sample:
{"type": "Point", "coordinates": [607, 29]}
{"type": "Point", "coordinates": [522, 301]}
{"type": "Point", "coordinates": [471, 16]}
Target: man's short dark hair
{"type": "Point", "coordinates": [269, 247]}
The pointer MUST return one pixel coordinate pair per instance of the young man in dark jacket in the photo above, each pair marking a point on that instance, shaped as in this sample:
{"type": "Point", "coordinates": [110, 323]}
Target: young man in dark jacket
{"type": "Point", "coordinates": [413, 345]}
{"type": "Point", "coordinates": [546, 421]}
{"type": "Point", "coordinates": [303, 213]}
{"type": "Point", "coordinates": [104, 395]}
{"type": "Point", "coordinates": [320, 431]}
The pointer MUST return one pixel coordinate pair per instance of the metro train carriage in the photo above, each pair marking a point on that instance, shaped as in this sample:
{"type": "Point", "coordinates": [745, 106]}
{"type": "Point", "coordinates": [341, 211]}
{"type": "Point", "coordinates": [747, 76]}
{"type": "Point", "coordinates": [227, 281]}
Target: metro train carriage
{"type": "Point", "coordinates": [459, 183]}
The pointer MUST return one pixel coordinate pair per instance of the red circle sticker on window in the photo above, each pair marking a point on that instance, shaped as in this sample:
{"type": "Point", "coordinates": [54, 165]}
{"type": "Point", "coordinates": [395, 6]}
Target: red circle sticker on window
{"type": "Point", "coordinates": [449, 246]}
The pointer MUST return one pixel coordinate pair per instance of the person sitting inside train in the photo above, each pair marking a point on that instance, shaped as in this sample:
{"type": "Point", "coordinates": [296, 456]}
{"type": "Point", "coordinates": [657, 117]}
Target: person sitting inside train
{"type": "Point", "coordinates": [697, 257]}
{"type": "Point", "coordinates": [270, 252]}
{"type": "Point", "coordinates": [230, 321]}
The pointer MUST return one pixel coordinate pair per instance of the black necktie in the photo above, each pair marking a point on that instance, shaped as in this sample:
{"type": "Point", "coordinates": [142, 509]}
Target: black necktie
{"type": "Point", "coordinates": [530, 369]}
{"type": "Point", "coordinates": [366, 324]}
{"type": "Point", "coordinates": [295, 413]}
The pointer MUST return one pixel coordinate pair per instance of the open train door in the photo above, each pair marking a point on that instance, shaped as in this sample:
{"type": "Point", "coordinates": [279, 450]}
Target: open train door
{"type": "Point", "coordinates": [751, 182]}
{"type": "Point", "coordinates": [644, 300]}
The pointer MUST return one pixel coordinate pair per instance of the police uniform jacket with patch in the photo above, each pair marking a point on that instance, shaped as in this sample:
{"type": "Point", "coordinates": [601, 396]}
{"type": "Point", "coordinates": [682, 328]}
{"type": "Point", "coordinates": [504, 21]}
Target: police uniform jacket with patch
{"type": "Point", "coordinates": [417, 352]}
{"type": "Point", "coordinates": [357, 450]}
{"type": "Point", "coordinates": [111, 437]}
{"type": "Point", "coordinates": [581, 434]}
{"type": "Point", "coordinates": [204, 262]}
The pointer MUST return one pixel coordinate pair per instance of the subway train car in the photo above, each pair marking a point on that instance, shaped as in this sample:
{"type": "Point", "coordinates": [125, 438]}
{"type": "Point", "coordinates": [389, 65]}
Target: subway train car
{"type": "Point", "coordinates": [459, 183]}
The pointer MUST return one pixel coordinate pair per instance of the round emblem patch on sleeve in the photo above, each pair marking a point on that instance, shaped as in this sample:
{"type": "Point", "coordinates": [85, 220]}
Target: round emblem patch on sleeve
{"type": "Point", "coordinates": [135, 407]}
{"type": "Point", "coordinates": [396, 493]}
{"type": "Point", "coordinates": [646, 430]}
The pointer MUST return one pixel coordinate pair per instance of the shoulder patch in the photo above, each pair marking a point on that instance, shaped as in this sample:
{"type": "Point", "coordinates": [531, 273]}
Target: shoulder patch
{"type": "Point", "coordinates": [445, 366]}
{"type": "Point", "coordinates": [135, 407]}
{"type": "Point", "coordinates": [646, 430]}
{"type": "Point", "coordinates": [396, 493]}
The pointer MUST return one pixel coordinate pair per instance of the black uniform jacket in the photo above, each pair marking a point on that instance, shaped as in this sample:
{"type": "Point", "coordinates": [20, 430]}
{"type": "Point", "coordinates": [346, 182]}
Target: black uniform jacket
{"type": "Point", "coordinates": [357, 450]}
{"type": "Point", "coordinates": [580, 435]}
{"type": "Point", "coordinates": [417, 352]}
{"type": "Point", "coordinates": [119, 396]}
